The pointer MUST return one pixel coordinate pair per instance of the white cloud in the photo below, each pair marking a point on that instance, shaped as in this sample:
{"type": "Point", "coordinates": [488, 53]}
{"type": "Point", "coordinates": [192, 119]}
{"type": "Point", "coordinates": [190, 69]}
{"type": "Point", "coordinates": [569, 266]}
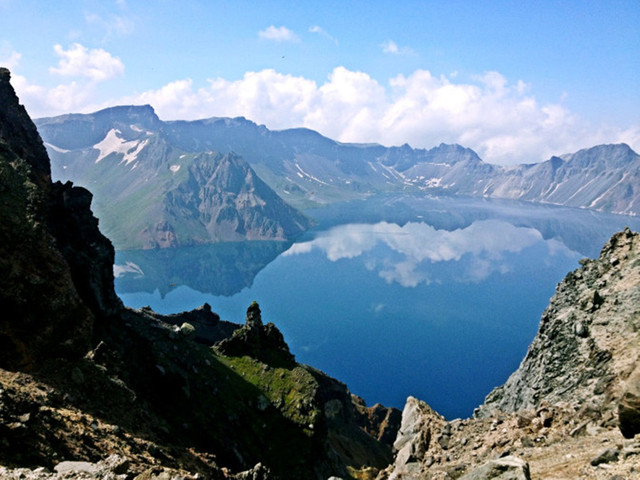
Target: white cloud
{"type": "Point", "coordinates": [78, 61]}
{"type": "Point", "coordinates": [323, 32]}
{"type": "Point", "coordinates": [10, 60]}
{"type": "Point", "coordinates": [392, 47]}
{"type": "Point", "coordinates": [278, 34]}
{"type": "Point", "coordinates": [41, 101]}
{"type": "Point", "coordinates": [502, 121]}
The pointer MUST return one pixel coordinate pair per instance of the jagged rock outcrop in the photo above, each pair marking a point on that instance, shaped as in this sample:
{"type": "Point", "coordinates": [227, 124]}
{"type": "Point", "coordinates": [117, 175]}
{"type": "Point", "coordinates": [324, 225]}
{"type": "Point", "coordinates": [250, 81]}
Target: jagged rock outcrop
{"type": "Point", "coordinates": [42, 311]}
{"type": "Point", "coordinates": [83, 378]}
{"type": "Point", "coordinates": [254, 339]}
{"type": "Point", "coordinates": [587, 342]}
{"type": "Point", "coordinates": [378, 421]}
{"type": "Point", "coordinates": [208, 328]}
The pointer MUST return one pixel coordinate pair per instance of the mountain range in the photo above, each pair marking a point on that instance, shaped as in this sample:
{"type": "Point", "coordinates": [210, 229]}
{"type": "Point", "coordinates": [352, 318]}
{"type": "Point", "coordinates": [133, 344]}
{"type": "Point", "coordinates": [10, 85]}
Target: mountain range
{"type": "Point", "coordinates": [307, 169]}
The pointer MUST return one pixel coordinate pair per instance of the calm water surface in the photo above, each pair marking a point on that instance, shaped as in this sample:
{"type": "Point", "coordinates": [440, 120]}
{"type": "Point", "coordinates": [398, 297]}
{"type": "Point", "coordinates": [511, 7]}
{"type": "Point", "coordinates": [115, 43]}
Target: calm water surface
{"type": "Point", "coordinates": [395, 296]}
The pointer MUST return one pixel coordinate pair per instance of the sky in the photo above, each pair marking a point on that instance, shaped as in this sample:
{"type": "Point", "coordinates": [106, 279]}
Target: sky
{"type": "Point", "coordinates": [516, 81]}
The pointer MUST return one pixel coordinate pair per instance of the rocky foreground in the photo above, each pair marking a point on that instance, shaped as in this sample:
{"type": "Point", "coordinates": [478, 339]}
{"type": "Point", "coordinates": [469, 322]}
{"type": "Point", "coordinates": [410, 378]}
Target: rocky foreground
{"type": "Point", "coordinates": [91, 389]}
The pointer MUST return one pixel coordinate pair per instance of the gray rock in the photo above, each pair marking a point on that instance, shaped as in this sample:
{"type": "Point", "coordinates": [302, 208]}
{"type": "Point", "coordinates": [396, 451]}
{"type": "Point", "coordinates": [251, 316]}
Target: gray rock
{"type": "Point", "coordinates": [580, 330]}
{"type": "Point", "coordinates": [116, 464]}
{"type": "Point", "coordinates": [259, 472]}
{"type": "Point", "coordinates": [606, 456]}
{"type": "Point", "coordinates": [187, 330]}
{"type": "Point", "coordinates": [76, 467]}
{"type": "Point", "coordinates": [405, 455]}
{"type": "Point", "coordinates": [570, 340]}
{"type": "Point", "coordinates": [507, 468]}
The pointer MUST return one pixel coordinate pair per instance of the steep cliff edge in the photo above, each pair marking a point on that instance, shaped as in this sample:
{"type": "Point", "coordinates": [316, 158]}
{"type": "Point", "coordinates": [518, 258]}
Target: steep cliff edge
{"type": "Point", "coordinates": [43, 312]}
{"type": "Point", "coordinates": [572, 408]}
{"type": "Point", "coordinates": [124, 393]}
{"type": "Point", "coordinates": [589, 336]}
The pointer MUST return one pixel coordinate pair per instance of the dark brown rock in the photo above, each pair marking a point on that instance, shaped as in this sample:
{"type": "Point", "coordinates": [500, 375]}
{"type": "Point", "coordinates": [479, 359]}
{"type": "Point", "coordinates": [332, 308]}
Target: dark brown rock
{"type": "Point", "coordinates": [606, 456]}
{"type": "Point", "coordinates": [629, 406]}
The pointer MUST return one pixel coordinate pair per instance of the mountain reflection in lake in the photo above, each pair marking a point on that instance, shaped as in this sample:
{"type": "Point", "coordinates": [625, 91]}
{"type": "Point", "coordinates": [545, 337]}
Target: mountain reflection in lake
{"type": "Point", "coordinates": [395, 296]}
{"type": "Point", "coordinates": [218, 269]}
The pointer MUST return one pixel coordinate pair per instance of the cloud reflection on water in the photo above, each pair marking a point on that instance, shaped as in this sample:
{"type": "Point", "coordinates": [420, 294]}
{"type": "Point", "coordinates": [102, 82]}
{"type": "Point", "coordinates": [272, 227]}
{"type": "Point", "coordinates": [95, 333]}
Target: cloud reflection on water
{"type": "Point", "coordinates": [410, 254]}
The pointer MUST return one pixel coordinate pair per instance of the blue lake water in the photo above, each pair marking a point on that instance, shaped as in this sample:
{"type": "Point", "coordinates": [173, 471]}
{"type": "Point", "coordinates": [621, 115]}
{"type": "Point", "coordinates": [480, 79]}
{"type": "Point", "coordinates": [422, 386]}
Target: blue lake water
{"type": "Point", "coordinates": [437, 298]}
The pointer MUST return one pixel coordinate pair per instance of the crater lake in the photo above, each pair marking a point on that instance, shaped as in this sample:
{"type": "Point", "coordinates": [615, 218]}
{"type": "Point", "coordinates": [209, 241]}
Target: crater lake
{"type": "Point", "coordinates": [396, 295]}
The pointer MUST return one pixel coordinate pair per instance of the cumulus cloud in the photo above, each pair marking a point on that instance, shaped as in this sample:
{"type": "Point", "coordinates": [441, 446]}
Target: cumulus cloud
{"type": "Point", "coordinates": [278, 34]}
{"type": "Point", "coordinates": [412, 250]}
{"type": "Point", "coordinates": [41, 101]}
{"type": "Point", "coordinates": [87, 68]}
{"type": "Point", "coordinates": [79, 61]}
{"type": "Point", "coordinates": [500, 120]}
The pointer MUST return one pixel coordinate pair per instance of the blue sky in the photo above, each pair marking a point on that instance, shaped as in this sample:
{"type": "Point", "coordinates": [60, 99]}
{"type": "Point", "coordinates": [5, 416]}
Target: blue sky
{"type": "Point", "coordinates": [517, 81]}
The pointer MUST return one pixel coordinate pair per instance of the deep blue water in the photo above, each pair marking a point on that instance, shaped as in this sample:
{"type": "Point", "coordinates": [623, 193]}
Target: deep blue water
{"type": "Point", "coordinates": [435, 298]}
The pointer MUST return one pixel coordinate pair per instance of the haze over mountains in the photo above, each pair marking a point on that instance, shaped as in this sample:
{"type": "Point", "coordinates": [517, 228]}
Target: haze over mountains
{"type": "Point", "coordinates": [214, 179]}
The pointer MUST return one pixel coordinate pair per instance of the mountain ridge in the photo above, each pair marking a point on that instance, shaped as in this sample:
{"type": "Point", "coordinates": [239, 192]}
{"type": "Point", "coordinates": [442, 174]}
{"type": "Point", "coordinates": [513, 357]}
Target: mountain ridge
{"type": "Point", "coordinates": [152, 194]}
{"type": "Point", "coordinates": [308, 169]}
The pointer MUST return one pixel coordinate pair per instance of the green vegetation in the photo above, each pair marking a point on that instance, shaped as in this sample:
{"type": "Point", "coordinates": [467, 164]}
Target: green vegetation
{"type": "Point", "coordinates": [292, 391]}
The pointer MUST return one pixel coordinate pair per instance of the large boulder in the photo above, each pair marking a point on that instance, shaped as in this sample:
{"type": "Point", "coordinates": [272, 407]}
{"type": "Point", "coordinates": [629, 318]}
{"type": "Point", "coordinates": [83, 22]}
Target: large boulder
{"type": "Point", "coordinates": [507, 468]}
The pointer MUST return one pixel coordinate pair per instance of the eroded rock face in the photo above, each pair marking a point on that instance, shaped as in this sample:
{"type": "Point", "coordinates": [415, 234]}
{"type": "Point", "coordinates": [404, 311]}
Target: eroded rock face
{"type": "Point", "coordinates": [573, 397]}
{"type": "Point", "coordinates": [88, 253]}
{"type": "Point", "coordinates": [43, 313]}
{"type": "Point", "coordinates": [587, 342]}
{"type": "Point", "coordinates": [264, 342]}
{"type": "Point", "coordinates": [19, 133]}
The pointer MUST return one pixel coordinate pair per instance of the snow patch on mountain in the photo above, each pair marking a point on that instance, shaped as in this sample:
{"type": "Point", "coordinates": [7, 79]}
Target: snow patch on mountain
{"type": "Point", "coordinates": [114, 143]}
{"type": "Point", "coordinates": [57, 149]}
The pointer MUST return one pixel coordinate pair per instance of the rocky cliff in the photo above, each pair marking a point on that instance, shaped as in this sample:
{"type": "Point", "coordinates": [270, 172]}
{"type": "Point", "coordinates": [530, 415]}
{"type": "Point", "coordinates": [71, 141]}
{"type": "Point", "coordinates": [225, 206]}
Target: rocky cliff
{"type": "Point", "coordinates": [571, 410]}
{"type": "Point", "coordinates": [91, 389]}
